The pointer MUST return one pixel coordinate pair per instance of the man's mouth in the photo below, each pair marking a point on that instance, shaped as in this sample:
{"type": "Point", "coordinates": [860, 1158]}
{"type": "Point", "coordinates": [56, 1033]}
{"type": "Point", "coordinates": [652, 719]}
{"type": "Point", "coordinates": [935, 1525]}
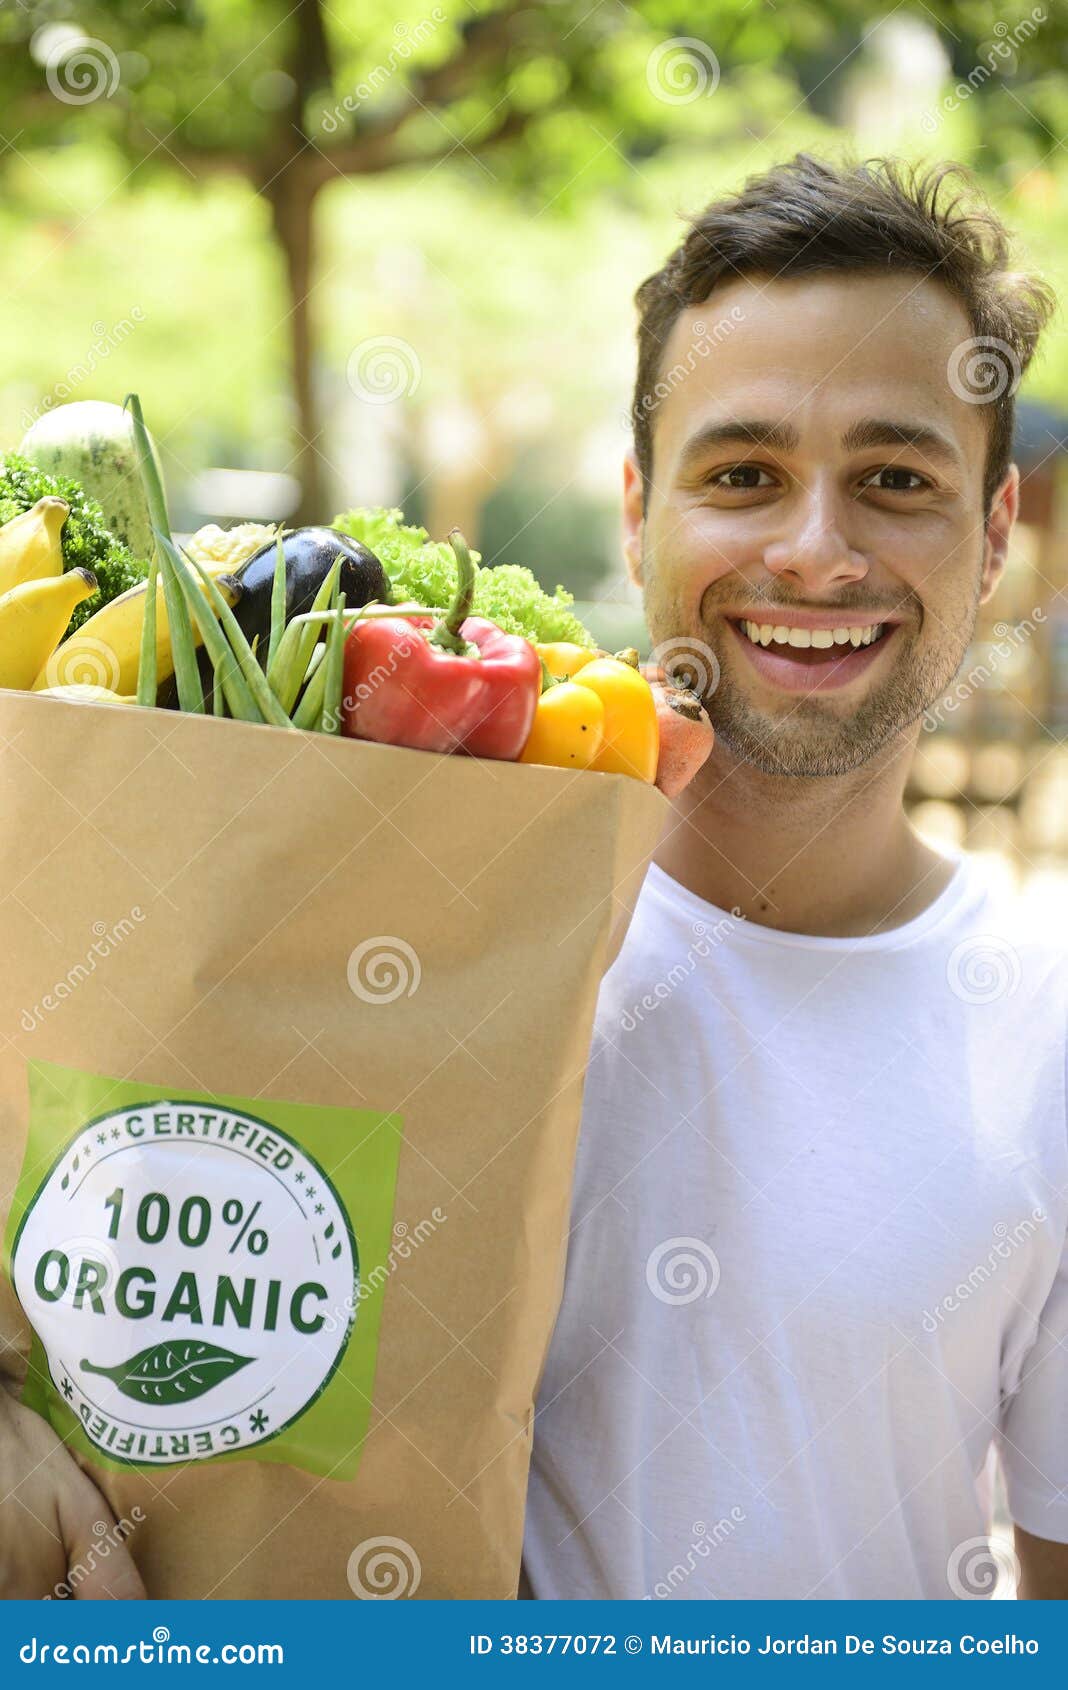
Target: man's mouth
{"type": "Point", "coordinates": [810, 653]}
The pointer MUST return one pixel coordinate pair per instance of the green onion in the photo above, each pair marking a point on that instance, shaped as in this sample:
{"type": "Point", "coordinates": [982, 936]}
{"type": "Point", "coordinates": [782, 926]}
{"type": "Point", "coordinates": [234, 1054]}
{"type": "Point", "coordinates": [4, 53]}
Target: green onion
{"type": "Point", "coordinates": [218, 702]}
{"type": "Point", "coordinates": [309, 712]}
{"type": "Point", "coordinates": [228, 677]}
{"type": "Point", "coordinates": [266, 702]}
{"type": "Point", "coordinates": [183, 645]}
{"type": "Point", "coordinates": [289, 665]}
{"type": "Point", "coordinates": [333, 667]}
{"type": "Point", "coordinates": [278, 602]}
{"type": "Point", "coordinates": [180, 629]}
{"type": "Point", "coordinates": [146, 667]}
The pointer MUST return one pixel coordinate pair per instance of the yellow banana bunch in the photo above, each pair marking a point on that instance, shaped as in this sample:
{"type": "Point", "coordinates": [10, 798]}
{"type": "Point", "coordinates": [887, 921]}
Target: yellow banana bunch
{"type": "Point", "coordinates": [106, 650]}
{"type": "Point", "coordinates": [33, 620]}
{"type": "Point", "coordinates": [29, 544]}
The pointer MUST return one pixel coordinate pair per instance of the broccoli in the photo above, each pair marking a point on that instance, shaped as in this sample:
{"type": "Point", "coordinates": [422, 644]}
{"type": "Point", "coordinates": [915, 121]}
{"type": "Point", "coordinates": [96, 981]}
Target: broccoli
{"type": "Point", "coordinates": [86, 540]}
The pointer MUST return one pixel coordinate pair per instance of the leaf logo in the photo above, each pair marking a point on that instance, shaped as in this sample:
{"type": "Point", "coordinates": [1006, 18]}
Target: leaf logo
{"type": "Point", "coordinates": [172, 1372]}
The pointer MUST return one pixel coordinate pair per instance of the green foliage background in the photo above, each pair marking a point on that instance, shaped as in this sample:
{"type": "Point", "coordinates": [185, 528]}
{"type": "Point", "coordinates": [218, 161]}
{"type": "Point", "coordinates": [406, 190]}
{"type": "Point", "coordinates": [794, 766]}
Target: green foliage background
{"type": "Point", "coordinates": [485, 182]}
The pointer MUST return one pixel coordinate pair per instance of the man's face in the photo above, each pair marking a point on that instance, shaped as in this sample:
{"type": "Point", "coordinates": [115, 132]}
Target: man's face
{"type": "Point", "coordinates": [814, 471]}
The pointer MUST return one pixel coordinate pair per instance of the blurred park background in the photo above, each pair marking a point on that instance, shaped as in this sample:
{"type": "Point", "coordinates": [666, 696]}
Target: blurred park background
{"type": "Point", "coordinates": [357, 252]}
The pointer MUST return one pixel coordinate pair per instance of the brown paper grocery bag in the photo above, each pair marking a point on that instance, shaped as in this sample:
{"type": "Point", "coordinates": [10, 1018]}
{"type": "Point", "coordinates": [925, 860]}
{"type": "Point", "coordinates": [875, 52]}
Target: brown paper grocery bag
{"type": "Point", "coordinates": [294, 1036]}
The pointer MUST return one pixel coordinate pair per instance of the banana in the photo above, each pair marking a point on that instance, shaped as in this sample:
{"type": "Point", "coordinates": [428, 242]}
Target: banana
{"type": "Point", "coordinates": [88, 695]}
{"type": "Point", "coordinates": [106, 650]}
{"type": "Point", "coordinates": [29, 544]}
{"type": "Point", "coordinates": [33, 618]}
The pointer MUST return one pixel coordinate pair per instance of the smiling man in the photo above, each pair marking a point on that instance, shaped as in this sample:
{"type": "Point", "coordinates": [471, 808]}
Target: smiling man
{"type": "Point", "coordinates": [817, 1264]}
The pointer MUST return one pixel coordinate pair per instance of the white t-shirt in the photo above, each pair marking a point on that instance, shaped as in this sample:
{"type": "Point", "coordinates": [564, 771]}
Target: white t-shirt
{"type": "Point", "coordinates": [817, 1260]}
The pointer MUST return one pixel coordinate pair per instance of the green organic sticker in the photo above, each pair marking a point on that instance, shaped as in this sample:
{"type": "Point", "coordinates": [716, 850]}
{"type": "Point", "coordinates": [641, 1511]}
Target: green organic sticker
{"type": "Point", "coordinates": [200, 1272]}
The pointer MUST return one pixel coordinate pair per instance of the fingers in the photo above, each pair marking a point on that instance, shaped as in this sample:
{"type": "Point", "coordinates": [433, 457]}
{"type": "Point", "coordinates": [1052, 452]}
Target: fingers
{"type": "Point", "coordinates": [100, 1567]}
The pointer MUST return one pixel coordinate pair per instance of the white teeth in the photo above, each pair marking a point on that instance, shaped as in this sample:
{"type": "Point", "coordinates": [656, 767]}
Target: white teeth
{"type": "Point", "coordinates": [763, 633]}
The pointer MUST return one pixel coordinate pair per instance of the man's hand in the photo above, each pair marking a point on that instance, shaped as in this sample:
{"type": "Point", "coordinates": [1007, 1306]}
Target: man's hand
{"type": "Point", "coordinates": [54, 1523]}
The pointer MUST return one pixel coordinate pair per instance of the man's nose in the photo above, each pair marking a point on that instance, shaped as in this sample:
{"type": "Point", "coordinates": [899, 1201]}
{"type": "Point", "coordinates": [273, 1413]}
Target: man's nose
{"type": "Point", "coordinates": [813, 549]}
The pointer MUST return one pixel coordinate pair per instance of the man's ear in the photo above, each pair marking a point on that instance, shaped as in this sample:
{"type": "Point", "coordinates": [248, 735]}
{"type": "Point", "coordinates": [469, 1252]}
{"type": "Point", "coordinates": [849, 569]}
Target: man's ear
{"type": "Point", "coordinates": [999, 526]}
{"type": "Point", "coordinates": [633, 518]}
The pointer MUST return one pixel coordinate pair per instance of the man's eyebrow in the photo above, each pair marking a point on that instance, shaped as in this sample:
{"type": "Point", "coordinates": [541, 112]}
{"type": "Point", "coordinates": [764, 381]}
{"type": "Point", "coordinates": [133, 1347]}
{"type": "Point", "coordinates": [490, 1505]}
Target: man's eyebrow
{"type": "Point", "coordinates": [881, 431]}
{"type": "Point", "coordinates": [738, 431]}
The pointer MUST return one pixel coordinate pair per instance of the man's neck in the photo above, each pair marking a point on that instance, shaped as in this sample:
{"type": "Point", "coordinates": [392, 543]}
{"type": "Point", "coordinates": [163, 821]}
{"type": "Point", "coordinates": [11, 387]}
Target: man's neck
{"type": "Point", "coordinates": [834, 856]}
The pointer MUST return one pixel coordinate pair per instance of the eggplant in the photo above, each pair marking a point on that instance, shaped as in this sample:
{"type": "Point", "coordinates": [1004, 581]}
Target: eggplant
{"type": "Point", "coordinates": [310, 554]}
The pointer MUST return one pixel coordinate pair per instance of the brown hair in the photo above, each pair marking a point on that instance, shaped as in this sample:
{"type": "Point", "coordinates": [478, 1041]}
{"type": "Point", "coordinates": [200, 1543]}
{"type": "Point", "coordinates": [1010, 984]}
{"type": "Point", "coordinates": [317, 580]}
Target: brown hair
{"type": "Point", "coordinates": [808, 215]}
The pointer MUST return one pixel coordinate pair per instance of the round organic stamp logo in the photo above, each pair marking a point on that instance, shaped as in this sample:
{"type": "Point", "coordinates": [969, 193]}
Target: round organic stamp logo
{"type": "Point", "coordinates": [185, 1268]}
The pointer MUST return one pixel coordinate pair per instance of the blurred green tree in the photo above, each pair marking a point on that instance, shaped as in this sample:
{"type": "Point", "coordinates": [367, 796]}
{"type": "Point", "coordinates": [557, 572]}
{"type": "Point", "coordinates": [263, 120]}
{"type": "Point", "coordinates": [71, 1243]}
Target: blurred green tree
{"type": "Point", "coordinates": [563, 96]}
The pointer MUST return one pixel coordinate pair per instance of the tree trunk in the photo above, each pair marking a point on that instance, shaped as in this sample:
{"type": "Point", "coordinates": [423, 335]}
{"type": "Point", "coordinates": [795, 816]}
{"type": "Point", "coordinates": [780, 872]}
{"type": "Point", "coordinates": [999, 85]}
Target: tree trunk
{"type": "Point", "coordinates": [292, 201]}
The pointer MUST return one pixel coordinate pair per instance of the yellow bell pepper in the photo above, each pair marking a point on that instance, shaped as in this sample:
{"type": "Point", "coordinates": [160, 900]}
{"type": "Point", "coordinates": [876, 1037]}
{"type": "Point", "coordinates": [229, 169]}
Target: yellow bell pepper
{"type": "Point", "coordinates": [601, 718]}
{"type": "Point", "coordinates": [563, 660]}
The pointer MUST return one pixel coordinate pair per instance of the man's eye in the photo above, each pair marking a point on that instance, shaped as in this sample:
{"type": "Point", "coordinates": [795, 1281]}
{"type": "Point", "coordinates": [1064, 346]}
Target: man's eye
{"type": "Point", "coordinates": [891, 479]}
{"type": "Point", "coordinates": [743, 477]}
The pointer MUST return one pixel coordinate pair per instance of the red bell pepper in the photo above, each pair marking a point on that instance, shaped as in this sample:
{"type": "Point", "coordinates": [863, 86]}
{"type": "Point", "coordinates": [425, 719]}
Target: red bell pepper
{"type": "Point", "coordinates": [456, 684]}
